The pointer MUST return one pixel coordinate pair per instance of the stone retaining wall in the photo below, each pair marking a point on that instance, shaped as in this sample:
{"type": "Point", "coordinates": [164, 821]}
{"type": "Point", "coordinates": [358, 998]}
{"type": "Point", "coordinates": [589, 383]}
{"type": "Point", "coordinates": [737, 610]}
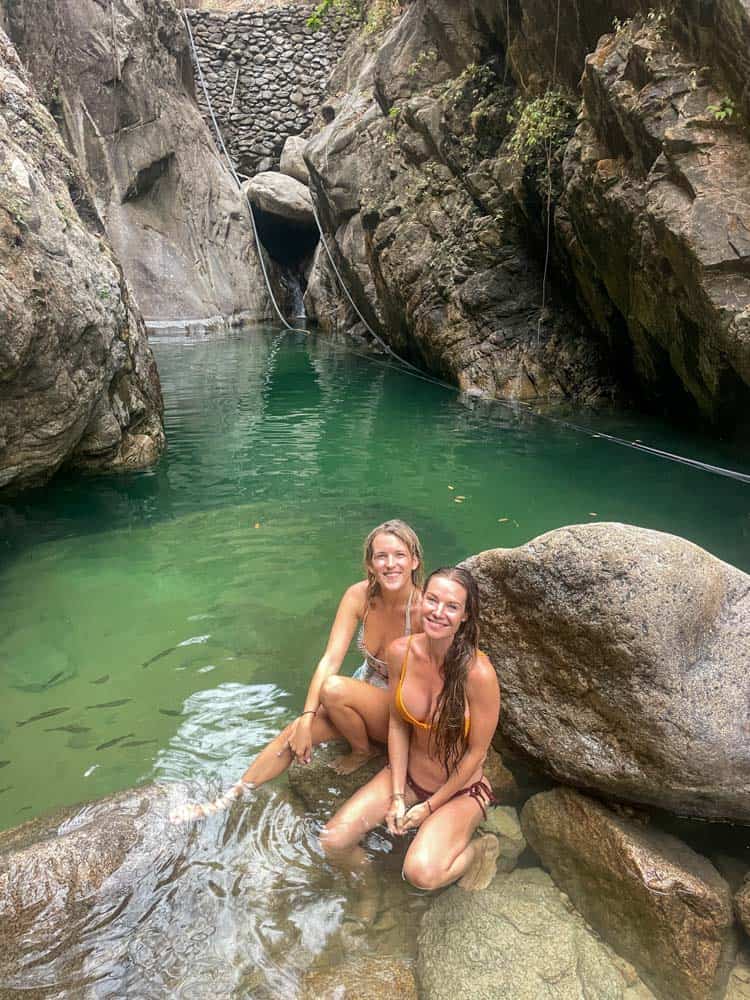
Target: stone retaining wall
{"type": "Point", "coordinates": [266, 73]}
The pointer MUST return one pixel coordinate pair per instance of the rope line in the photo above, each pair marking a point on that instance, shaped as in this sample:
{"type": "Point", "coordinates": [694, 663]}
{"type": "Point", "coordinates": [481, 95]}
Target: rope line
{"type": "Point", "coordinates": [405, 367]}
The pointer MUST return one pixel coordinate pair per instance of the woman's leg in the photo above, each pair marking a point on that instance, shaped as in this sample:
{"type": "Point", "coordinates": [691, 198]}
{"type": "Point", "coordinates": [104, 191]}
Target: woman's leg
{"type": "Point", "coordinates": [272, 761]}
{"type": "Point", "coordinates": [443, 850]}
{"type": "Point", "coordinates": [359, 711]}
{"type": "Point", "coordinates": [358, 815]}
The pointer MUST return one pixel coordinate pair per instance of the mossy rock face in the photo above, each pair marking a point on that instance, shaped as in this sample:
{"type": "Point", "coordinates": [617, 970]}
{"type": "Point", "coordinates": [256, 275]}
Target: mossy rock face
{"type": "Point", "coordinates": [513, 939]}
{"type": "Point", "coordinates": [658, 903]}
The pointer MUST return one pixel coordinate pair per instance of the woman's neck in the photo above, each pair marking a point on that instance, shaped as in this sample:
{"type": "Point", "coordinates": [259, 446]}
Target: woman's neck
{"type": "Point", "coordinates": [396, 598]}
{"type": "Point", "coordinates": [437, 650]}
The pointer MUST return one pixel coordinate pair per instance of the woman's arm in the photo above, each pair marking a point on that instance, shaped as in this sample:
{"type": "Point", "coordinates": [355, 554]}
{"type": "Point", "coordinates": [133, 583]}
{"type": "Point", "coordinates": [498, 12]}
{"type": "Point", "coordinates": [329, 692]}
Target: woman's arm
{"type": "Point", "coordinates": [483, 698]}
{"type": "Point", "coordinates": [342, 631]}
{"type": "Point", "coordinates": [398, 740]}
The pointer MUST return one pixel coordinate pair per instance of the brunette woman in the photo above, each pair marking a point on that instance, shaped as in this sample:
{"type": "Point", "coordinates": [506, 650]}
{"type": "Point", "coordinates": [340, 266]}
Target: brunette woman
{"type": "Point", "coordinates": [444, 707]}
{"type": "Point", "coordinates": [385, 605]}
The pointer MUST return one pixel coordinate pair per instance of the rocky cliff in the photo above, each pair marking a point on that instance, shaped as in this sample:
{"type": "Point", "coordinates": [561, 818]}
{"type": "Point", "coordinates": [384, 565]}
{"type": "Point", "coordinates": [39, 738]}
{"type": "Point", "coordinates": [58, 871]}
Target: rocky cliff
{"type": "Point", "coordinates": [121, 90]}
{"type": "Point", "coordinates": [78, 383]}
{"type": "Point", "coordinates": [470, 180]}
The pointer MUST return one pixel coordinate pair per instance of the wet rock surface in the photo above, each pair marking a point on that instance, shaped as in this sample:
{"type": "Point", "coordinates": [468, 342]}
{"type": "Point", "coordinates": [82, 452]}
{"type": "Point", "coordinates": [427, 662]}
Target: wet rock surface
{"type": "Point", "coordinates": [122, 92]}
{"type": "Point", "coordinates": [621, 654]}
{"type": "Point", "coordinates": [504, 823]}
{"type": "Point", "coordinates": [658, 903]}
{"type": "Point", "coordinates": [361, 979]}
{"type": "Point", "coordinates": [519, 939]}
{"type": "Point", "coordinates": [742, 904]}
{"type": "Point", "coordinates": [78, 383]}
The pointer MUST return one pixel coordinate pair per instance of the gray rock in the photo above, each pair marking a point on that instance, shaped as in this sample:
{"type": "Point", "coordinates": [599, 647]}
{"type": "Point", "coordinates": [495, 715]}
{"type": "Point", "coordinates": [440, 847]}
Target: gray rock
{"type": "Point", "coordinates": [503, 822]}
{"type": "Point", "coordinates": [518, 939]}
{"type": "Point", "coordinates": [78, 383]}
{"type": "Point", "coordinates": [742, 904]}
{"type": "Point", "coordinates": [281, 195]}
{"type": "Point", "coordinates": [292, 160]}
{"type": "Point", "coordinates": [658, 903]}
{"type": "Point", "coordinates": [622, 657]}
{"type": "Point", "coordinates": [123, 87]}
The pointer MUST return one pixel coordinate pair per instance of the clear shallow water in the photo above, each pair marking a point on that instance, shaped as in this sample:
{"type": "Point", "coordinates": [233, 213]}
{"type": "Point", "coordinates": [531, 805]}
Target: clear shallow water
{"type": "Point", "coordinates": [163, 625]}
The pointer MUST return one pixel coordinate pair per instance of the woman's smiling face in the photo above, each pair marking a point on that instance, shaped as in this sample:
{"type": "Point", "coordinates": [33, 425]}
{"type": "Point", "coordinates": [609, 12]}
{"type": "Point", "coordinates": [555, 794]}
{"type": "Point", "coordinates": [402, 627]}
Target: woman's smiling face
{"type": "Point", "coordinates": [443, 607]}
{"type": "Point", "coordinates": [392, 562]}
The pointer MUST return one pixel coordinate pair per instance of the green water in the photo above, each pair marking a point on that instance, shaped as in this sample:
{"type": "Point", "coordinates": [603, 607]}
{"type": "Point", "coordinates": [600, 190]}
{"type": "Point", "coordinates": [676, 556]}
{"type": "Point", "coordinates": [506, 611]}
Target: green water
{"type": "Point", "coordinates": [180, 611]}
{"type": "Point", "coordinates": [163, 626]}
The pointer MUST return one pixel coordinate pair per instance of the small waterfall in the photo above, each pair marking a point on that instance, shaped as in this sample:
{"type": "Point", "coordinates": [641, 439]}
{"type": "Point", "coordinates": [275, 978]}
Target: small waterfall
{"type": "Point", "coordinates": [294, 298]}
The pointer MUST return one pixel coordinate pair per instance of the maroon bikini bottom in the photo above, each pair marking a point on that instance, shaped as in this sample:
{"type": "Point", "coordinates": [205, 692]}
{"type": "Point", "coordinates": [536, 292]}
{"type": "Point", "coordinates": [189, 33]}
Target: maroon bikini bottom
{"type": "Point", "coordinates": [480, 791]}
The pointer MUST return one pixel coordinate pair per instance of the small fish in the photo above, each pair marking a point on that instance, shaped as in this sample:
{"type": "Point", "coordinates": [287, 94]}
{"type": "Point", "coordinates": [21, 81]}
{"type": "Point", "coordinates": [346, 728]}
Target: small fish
{"type": "Point", "coordinates": [24, 809]}
{"type": "Point", "coordinates": [4, 763]}
{"type": "Point", "coordinates": [592, 513]}
{"type": "Point", "coordinates": [114, 742]}
{"type": "Point", "coordinates": [451, 487]}
{"type": "Point", "coordinates": [139, 743]}
{"type": "Point", "coordinates": [111, 704]}
{"type": "Point", "coordinates": [100, 680]}
{"type": "Point", "coordinates": [458, 500]}
{"type": "Point", "coordinates": [170, 711]}
{"type": "Point", "coordinates": [6, 789]}
{"type": "Point", "coordinates": [68, 729]}
{"type": "Point", "coordinates": [38, 687]}
{"type": "Point", "coordinates": [159, 656]}
{"type": "Point", "coordinates": [52, 680]}
{"type": "Point", "coordinates": [502, 520]}
{"type": "Point", "coordinates": [43, 715]}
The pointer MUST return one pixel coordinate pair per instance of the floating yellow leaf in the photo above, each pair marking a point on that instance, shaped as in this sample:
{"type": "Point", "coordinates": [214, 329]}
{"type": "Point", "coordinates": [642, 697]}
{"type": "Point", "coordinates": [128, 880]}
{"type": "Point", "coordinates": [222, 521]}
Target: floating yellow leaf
{"type": "Point", "coordinates": [257, 525]}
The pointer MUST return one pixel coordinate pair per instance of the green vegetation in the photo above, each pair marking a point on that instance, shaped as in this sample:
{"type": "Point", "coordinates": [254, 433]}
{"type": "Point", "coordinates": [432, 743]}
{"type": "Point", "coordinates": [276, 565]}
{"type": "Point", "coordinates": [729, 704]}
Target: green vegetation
{"type": "Point", "coordinates": [724, 110]}
{"type": "Point", "coordinates": [422, 60]}
{"type": "Point", "coordinates": [376, 15]}
{"type": "Point", "coordinates": [542, 124]}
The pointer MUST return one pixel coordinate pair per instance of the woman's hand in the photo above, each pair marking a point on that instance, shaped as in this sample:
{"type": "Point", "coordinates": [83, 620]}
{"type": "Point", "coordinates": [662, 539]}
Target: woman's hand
{"type": "Point", "coordinates": [395, 815]}
{"type": "Point", "coordinates": [415, 817]}
{"type": "Point", "coordinates": [300, 738]}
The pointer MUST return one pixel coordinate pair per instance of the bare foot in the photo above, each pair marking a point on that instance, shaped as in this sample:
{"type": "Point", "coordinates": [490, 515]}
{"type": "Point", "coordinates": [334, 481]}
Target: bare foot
{"type": "Point", "coordinates": [483, 868]}
{"type": "Point", "coordinates": [351, 762]}
{"type": "Point", "coordinates": [200, 810]}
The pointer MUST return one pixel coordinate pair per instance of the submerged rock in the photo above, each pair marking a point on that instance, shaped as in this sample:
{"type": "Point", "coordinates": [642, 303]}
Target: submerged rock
{"type": "Point", "coordinates": [366, 978]}
{"type": "Point", "coordinates": [622, 655]}
{"type": "Point", "coordinates": [78, 382]}
{"type": "Point", "coordinates": [658, 903]}
{"type": "Point", "coordinates": [281, 195]}
{"type": "Point", "coordinates": [503, 822]}
{"type": "Point", "coordinates": [518, 939]}
{"type": "Point", "coordinates": [122, 91]}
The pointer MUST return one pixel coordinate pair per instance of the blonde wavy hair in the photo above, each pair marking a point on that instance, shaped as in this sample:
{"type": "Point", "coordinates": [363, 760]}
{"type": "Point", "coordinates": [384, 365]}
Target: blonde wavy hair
{"type": "Point", "coordinates": [405, 534]}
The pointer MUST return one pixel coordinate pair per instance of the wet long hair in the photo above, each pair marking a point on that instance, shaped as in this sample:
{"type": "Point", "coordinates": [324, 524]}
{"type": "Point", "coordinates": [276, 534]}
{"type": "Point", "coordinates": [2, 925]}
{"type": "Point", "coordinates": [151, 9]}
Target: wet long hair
{"type": "Point", "coordinates": [448, 738]}
{"type": "Point", "coordinates": [405, 534]}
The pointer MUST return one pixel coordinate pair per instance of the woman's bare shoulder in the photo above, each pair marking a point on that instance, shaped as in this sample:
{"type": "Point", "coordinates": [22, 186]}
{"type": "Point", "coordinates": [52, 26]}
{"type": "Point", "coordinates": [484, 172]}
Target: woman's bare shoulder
{"type": "Point", "coordinates": [356, 594]}
{"type": "Point", "coordinates": [482, 671]}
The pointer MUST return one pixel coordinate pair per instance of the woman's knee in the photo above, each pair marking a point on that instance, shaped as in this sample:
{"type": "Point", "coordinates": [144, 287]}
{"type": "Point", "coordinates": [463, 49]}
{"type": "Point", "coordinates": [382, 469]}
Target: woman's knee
{"type": "Point", "coordinates": [336, 837]}
{"type": "Point", "coordinates": [333, 691]}
{"type": "Point", "coordinates": [423, 871]}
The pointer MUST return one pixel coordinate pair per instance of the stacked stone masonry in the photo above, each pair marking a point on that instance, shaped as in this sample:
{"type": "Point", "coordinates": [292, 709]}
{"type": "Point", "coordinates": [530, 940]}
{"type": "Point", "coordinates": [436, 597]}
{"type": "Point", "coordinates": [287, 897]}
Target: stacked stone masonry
{"type": "Point", "coordinates": [266, 74]}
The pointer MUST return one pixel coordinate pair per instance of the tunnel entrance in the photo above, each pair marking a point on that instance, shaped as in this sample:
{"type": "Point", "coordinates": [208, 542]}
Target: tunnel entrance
{"type": "Point", "coordinates": [291, 245]}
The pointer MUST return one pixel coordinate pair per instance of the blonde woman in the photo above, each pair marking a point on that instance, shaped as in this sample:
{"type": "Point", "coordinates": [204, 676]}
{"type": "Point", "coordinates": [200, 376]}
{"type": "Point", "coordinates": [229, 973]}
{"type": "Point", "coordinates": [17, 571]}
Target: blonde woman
{"type": "Point", "coordinates": [380, 608]}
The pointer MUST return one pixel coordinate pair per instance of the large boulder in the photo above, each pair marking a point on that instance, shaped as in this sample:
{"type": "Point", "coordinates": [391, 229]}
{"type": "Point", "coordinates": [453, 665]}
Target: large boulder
{"type": "Point", "coordinates": [742, 904]}
{"type": "Point", "coordinates": [622, 655]}
{"type": "Point", "coordinates": [282, 196]}
{"type": "Point", "coordinates": [658, 903]}
{"type": "Point", "coordinates": [518, 939]}
{"type": "Point", "coordinates": [292, 159]}
{"type": "Point", "coordinates": [78, 382]}
{"type": "Point", "coordinates": [122, 91]}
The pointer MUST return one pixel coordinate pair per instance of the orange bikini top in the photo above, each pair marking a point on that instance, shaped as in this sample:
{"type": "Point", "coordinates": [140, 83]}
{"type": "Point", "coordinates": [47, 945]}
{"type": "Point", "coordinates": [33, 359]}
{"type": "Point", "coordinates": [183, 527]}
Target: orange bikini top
{"type": "Point", "coordinates": [404, 712]}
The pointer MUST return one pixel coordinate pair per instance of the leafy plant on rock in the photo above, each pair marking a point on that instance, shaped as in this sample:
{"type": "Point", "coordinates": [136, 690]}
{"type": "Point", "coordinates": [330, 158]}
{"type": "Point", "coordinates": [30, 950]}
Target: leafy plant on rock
{"type": "Point", "coordinates": [724, 110]}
